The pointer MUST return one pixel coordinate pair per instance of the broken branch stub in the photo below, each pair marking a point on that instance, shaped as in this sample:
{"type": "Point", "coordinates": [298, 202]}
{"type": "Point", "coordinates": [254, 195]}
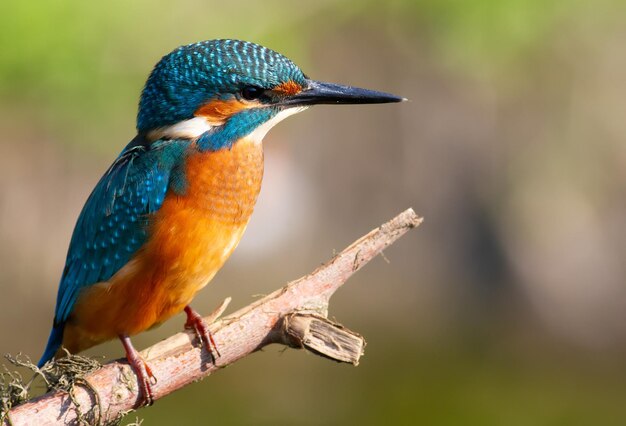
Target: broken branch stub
{"type": "Point", "coordinates": [323, 337]}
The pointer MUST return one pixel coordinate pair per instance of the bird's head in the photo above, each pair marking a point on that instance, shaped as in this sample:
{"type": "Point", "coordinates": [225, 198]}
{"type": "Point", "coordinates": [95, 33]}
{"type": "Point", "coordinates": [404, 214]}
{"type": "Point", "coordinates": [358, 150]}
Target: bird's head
{"type": "Point", "coordinates": [218, 91]}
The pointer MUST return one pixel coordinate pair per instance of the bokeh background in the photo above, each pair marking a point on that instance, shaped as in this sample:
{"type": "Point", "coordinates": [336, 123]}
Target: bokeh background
{"type": "Point", "coordinates": [506, 307]}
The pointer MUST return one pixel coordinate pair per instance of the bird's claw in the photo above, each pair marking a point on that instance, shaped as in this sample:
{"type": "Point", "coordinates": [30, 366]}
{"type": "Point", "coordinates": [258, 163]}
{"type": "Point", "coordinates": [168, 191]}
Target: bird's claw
{"type": "Point", "coordinates": [146, 381]}
{"type": "Point", "coordinates": [145, 377]}
{"type": "Point", "coordinates": [196, 322]}
{"type": "Point", "coordinates": [199, 325]}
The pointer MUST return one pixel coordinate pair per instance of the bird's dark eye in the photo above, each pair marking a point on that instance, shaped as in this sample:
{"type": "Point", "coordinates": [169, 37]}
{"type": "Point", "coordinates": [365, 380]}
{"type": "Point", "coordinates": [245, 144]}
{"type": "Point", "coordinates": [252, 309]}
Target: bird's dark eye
{"type": "Point", "coordinates": [251, 93]}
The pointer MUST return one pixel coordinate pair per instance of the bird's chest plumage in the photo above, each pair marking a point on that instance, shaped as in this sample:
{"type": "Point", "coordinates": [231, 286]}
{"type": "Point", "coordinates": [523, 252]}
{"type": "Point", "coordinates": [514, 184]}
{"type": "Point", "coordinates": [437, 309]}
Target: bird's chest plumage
{"type": "Point", "coordinates": [224, 184]}
{"type": "Point", "coordinates": [194, 233]}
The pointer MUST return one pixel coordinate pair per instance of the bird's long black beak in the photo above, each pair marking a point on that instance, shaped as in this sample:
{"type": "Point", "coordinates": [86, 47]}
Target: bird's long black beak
{"type": "Point", "coordinates": [318, 92]}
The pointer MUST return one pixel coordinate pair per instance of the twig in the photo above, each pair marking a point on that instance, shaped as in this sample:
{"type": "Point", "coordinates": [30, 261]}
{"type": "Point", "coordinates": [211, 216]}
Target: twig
{"type": "Point", "coordinates": [294, 315]}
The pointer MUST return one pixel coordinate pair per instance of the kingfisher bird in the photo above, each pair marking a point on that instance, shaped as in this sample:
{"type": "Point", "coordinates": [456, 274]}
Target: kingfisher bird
{"type": "Point", "coordinates": [174, 204]}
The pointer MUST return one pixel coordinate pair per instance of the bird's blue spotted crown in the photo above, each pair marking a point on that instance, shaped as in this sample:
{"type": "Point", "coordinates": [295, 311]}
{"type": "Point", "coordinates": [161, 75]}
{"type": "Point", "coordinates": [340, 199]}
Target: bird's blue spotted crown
{"type": "Point", "coordinates": [190, 75]}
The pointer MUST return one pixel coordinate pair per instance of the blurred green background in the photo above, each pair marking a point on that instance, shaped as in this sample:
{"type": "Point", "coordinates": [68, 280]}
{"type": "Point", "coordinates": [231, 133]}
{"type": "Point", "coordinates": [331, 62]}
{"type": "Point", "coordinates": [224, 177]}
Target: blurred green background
{"type": "Point", "coordinates": [506, 307]}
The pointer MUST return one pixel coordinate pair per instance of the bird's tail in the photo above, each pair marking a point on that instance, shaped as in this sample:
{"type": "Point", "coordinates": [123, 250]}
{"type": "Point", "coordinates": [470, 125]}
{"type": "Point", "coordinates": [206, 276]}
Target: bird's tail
{"type": "Point", "coordinates": [54, 343]}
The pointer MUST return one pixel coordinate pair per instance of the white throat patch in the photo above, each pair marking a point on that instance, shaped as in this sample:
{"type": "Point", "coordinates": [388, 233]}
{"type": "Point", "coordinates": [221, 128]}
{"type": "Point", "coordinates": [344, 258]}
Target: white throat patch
{"type": "Point", "coordinates": [259, 133]}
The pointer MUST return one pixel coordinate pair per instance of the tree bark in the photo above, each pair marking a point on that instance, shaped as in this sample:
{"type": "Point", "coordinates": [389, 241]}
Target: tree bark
{"type": "Point", "coordinates": [294, 315]}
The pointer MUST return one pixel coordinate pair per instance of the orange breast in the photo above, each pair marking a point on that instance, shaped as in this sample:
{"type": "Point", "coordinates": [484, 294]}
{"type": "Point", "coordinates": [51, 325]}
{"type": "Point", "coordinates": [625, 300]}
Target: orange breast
{"type": "Point", "coordinates": [191, 237]}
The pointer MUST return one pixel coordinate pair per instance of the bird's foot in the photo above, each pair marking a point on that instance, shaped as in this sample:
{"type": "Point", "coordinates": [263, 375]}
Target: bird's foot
{"type": "Point", "coordinates": [197, 323]}
{"type": "Point", "coordinates": [145, 377]}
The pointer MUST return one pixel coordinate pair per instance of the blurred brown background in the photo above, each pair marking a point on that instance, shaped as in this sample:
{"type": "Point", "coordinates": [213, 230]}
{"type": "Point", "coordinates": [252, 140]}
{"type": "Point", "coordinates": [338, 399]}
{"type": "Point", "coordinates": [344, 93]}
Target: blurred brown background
{"type": "Point", "coordinates": [506, 307]}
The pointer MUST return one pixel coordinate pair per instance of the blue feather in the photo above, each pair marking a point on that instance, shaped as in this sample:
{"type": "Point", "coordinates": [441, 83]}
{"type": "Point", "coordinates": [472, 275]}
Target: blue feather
{"type": "Point", "coordinates": [54, 343]}
{"type": "Point", "coordinates": [113, 223]}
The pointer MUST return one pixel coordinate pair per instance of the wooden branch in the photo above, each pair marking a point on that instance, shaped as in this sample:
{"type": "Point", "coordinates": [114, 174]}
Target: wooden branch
{"type": "Point", "coordinates": [294, 315]}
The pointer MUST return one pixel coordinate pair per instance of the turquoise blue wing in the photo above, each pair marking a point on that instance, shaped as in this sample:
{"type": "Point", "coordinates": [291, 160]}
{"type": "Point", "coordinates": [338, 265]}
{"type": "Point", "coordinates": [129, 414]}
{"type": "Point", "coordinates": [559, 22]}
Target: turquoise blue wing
{"type": "Point", "coordinates": [113, 223]}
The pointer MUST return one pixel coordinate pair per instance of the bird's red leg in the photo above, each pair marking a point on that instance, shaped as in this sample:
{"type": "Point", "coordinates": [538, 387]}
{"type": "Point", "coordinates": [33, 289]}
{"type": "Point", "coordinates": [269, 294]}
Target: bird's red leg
{"type": "Point", "coordinates": [144, 374]}
{"type": "Point", "coordinates": [195, 321]}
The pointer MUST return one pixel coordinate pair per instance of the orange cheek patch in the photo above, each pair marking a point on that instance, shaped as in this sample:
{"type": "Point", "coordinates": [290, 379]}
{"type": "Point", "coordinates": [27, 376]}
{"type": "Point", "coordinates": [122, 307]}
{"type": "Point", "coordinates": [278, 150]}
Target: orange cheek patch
{"type": "Point", "coordinates": [288, 88]}
{"type": "Point", "coordinates": [218, 111]}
